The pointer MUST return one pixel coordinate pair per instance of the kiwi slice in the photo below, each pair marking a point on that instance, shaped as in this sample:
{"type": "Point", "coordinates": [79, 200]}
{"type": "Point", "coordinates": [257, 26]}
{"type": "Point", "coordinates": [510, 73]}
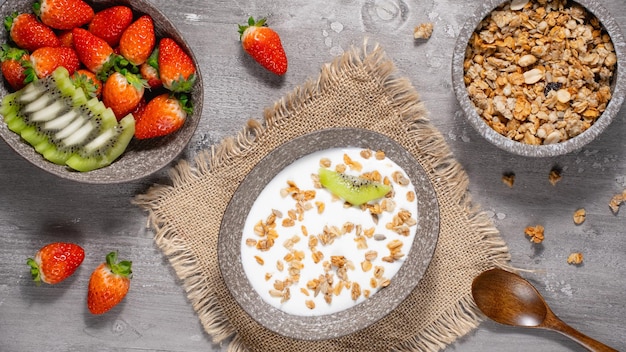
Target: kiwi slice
{"type": "Point", "coordinates": [104, 149]}
{"type": "Point", "coordinates": [10, 110]}
{"type": "Point", "coordinates": [64, 126]}
{"type": "Point", "coordinates": [353, 189]}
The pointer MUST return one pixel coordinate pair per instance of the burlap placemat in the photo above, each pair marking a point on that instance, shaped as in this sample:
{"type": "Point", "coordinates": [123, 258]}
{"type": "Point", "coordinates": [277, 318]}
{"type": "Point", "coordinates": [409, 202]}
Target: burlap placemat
{"type": "Point", "coordinates": [359, 89]}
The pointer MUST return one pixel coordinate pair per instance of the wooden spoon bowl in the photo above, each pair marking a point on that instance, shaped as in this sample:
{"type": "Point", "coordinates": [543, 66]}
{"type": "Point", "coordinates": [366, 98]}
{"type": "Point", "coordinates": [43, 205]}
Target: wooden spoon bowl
{"type": "Point", "coordinates": [509, 299]}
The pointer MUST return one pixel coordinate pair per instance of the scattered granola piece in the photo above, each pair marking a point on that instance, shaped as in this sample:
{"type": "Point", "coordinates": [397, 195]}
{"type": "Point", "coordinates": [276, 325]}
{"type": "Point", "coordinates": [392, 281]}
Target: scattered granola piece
{"type": "Point", "coordinates": [400, 179]}
{"type": "Point", "coordinates": [423, 30]}
{"type": "Point", "coordinates": [563, 96]}
{"type": "Point", "coordinates": [320, 207]}
{"type": "Point", "coordinates": [616, 201]}
{"type": "Point", "coordinates": [366, 265]}
{"type": "Point", "coordinates": [279, 265]}
{"type": "Point", "coordinates": [508, 179]}
{"type": "Point", "coordinates": [361, 242]}
{"type": "Point", "coordinates": [317, 256]}
{"type": "Point", "coordinates": [518, 4]}
{"type": "Point", "coordinates": [575, 258]}
{"type": "Point", "coordinates": [355, 291]}
{"type": "Point", "coordinates": [352, 164]}
{"type": "Point", "coordinates": [527, 60]}
{"type": "Point", "coordinates": [338, 260]}
{"type": "Point", "coordinates": [366, 153]}
{"type": "Point", "coordinates": [579, 216]}
{"type": "Point", "coordinates": [371, 255]}
{"type": "Point", "coordinates": [533, 76]}
{"type": "Point", "coordinates": [555, 176]}
{"type": "Point", "coordinates": [535, 233]}
{"type": "Point", "coordinates": [379, 271]}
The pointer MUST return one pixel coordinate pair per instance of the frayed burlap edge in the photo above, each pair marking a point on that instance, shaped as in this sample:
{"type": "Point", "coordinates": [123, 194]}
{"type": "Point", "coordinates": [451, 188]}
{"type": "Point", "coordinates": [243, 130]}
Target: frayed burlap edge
{"type": "Point", "coordinates": [452, 324]}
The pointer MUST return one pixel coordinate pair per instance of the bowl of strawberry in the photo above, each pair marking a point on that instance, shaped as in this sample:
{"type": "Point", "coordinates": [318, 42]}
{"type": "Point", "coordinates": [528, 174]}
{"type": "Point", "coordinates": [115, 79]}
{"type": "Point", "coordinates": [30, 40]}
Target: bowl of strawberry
{"type": "Point", "coordinates": [96, 91]}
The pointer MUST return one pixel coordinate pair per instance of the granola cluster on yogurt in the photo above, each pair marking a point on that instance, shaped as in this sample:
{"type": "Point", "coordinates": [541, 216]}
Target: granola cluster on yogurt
{"type": "Point", "coordinates": [539, 71]}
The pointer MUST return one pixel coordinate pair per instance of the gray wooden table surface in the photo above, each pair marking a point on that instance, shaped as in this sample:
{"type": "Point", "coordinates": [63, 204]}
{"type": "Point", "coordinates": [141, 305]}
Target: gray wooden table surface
{"type": "Point", "coordinates": [37, 208]}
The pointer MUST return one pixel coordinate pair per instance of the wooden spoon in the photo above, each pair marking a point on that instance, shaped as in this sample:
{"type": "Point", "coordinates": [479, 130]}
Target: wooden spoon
{"type": "Point", "coordinates": [508, 299]}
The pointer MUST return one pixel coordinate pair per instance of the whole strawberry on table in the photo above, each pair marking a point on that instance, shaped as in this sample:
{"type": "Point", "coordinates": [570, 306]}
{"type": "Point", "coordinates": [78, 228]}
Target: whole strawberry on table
{"type": "Point", "coordinates": [55, 262]}
{"type": "Point", "coordinates": [263, 44]}
{"type": "Point", "coordinates": [112, 55]}
{"type": "Point", "coordinates": [108, 285]}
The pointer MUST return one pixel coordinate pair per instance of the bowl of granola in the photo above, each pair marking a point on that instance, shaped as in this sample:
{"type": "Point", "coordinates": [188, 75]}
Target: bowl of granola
{"type": "Point", "coordinates": [307, 264]}
{"type": "Point", "coordinates": [79, 139]}
{"type": "Point", "coordinates": [540, 78]}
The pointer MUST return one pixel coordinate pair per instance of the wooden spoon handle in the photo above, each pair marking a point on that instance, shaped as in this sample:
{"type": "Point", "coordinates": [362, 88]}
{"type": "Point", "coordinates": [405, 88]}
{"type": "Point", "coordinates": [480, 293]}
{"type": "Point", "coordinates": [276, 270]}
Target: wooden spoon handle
{"type": "Point", "coordinates": [554, 323]}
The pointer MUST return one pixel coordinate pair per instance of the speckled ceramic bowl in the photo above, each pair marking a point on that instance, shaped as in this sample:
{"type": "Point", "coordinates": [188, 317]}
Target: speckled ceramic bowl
{"type": "Point", "coordinates": [365, 313]}
{"type": "Point", "coordinates": [141, 158]}
{"type": "Point", "coordinates": [618, 86]}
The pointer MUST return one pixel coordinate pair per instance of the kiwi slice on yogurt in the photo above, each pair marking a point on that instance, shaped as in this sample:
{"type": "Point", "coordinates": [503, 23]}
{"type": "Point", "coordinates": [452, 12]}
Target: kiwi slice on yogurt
{"type": "Point", "coordinates": [64, 126]}
{"type": "Point", "coordinates": [353, 189]}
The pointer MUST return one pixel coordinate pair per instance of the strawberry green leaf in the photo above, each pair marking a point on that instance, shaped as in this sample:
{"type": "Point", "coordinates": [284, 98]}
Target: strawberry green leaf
{"type": "Point", "coordinates": [252, 23]}
{"type": "Point", "coordinates": [8, 21]}
{"type": "Point", "coordinates": [8, 52]}
{"type": "Point", "coordinates": [153, 59]}
{"type": "Point", "coordinates": [37, 8]}
{"type": "Point", "coordinates": [185, 103]}
{"type": "Point", "coordinates": [182, 85]}
{"type": "Point", "coordinates": [122, 268]}
{"type": "Point", "coordinates": [34, 270]}
{"type": "Point", "coordinates": [85, 82]}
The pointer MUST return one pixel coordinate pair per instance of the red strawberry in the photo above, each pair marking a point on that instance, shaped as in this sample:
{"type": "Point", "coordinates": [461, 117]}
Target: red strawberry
{"type": "Point", "coordinates": [88, 82]}
{"type": "Point", "coordinates": [15, 67]}
{"type": "Point", "coordinates": [263, 45]}
{"type": "Point", "coordinates": [45, 60]}
{"type": "Point", "coordinates": [108, 284]}
{"type": "Point", "coordinates": [150, 71]}
{"type": "Point", "coordinates": [28, 33]}
{"type": "Point", "coordinates": [139, 109]}
{"type": "Point", "coordinates": [55, 262]}
{"type": "Point", "coordinates": [151, 75]}
{"type": "Point", "coordinates": [95, 53]}
{"type": "Point", "coordinates": [65, 37]}
{"type": "Point", "coordinates": [122, 93]}
{"type": "Point", "coordinates": [176, 68]}
{"type": "Point", "coordinates": [110, 23]}
{"type": "Point", "coordinates": [63, 14]}
{"type": "Point", "coordinates": [138, 40]}
{"type": "Point", "coordinates": [163, 115]}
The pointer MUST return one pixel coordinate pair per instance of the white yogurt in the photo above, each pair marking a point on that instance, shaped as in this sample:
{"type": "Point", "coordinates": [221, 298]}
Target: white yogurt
{"type": "Point", "coordinates": [261, 266]}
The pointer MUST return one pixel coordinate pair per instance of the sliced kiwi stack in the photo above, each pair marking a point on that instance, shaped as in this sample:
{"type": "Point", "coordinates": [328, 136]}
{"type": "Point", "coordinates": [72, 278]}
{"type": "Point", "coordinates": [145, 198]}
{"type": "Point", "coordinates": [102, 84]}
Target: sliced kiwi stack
{"type": "Point", "coordinates": [353, 189]}
{"type": "Point", "coordinates": [64, 125]}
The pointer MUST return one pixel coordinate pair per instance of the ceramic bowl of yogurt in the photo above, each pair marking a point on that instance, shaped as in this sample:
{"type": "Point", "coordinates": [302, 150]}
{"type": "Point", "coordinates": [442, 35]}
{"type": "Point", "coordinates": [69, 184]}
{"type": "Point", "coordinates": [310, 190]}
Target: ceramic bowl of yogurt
{"type": "Point", "coordinates": [308, 265]}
